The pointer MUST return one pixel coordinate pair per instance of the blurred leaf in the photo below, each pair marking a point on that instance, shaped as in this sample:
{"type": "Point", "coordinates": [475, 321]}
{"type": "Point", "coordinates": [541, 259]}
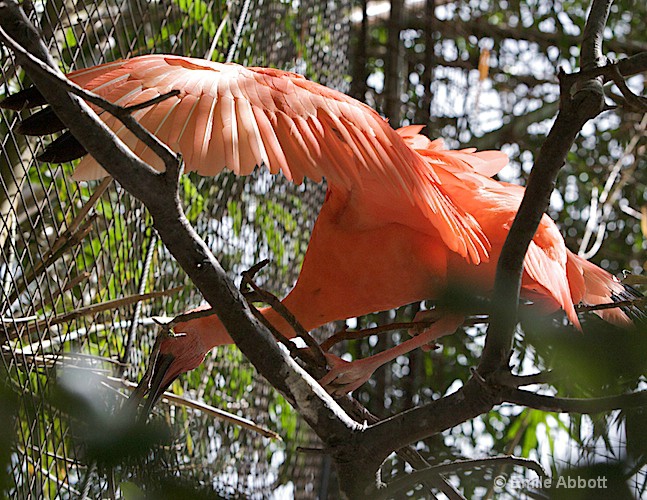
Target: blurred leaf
{"type": "Point", "coordinates": [595, 481]}
{"type": "Point", "coordinates": [603, 360]}
{"type": "Point", "coordinates": [636, 434]}
{"type": "Point", "coordinates": [131, 491]}
{"type": "Point", "coordinates": [109, 437]}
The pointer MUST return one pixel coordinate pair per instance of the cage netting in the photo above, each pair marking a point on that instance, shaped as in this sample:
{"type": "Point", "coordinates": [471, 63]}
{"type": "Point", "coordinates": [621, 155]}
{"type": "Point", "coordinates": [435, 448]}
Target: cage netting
{"type": "Point", "coordinates": [66, 246]}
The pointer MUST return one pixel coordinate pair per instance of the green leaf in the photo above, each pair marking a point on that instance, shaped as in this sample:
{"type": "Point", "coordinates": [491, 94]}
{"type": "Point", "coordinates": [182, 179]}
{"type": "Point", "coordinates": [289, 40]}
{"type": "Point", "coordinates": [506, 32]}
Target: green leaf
{"type": "Point", "coordinates": [131, 491]}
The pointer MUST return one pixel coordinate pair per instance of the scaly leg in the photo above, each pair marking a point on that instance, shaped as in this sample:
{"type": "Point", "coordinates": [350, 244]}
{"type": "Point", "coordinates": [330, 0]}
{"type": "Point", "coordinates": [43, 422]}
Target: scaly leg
{"type": "Point", "coordinates": [346, 376]}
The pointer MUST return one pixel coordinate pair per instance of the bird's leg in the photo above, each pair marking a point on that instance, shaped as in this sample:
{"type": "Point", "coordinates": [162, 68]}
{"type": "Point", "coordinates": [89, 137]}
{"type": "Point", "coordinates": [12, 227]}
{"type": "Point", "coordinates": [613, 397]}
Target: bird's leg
{"type": "Point", "coordinates": [345, 376]}
{"type": "Point", "coordinates": [427, 316]}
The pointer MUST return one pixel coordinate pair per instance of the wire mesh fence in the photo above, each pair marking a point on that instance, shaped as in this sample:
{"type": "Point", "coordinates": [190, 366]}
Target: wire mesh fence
{"type": "Point", "coordinates": [83, 272]}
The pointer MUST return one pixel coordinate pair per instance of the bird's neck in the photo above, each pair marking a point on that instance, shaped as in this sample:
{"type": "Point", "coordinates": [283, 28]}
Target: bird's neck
{"type": "Point", "coordinates": [213, 333]}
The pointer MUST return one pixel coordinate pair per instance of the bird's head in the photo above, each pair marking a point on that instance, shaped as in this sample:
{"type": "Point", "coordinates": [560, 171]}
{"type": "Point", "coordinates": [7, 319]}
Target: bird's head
{"type": "Point", "coordinates": [177, 351]}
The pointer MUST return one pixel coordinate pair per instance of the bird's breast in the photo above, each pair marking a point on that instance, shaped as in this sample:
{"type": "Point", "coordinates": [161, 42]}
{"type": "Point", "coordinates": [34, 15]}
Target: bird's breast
{"type": "Point", "coordinates": [350, 272]}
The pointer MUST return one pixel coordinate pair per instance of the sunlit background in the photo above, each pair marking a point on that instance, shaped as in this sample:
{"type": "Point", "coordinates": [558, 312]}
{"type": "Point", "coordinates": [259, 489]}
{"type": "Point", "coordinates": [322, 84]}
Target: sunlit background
{"type": "Point", "coordinates": [82, 278]}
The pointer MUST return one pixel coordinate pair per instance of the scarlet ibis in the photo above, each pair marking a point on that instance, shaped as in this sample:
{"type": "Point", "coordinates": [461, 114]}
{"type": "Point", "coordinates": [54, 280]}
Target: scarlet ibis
{"type": "Point", "coordinates": [403, 217]}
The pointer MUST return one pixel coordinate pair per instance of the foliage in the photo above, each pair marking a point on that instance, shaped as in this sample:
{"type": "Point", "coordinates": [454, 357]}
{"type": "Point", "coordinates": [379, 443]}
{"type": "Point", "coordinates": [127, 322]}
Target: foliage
{"type": "Point", "coordinates": [246, 220]}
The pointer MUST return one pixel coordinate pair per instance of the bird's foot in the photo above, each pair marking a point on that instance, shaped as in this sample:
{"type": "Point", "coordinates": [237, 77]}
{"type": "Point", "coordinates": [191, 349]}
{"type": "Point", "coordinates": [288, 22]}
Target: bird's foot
{"type": "Point", "coordinates": [430, 315]}
{"type": "Point", "coordinates": [346, 376]}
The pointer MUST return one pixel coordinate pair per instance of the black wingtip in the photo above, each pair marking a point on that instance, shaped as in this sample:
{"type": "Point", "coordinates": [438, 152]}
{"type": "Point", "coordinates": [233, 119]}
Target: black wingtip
{"type": "Point", "coordinates": [42, 123]}
{"type": "Point", "coordinates": [635, 311]}
{"type": "Point", "coordinates": [25, 99]}
{"type": "Point", "coordinates": [65, 148]}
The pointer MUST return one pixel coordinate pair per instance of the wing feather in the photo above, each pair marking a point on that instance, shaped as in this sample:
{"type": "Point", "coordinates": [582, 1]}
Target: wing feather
{"type": "Point", "coordinates": [228, 116]}
{"type": "Point", "coordinates": [250, 154]}
{"type": "Point", "coordinates": [266, 127]}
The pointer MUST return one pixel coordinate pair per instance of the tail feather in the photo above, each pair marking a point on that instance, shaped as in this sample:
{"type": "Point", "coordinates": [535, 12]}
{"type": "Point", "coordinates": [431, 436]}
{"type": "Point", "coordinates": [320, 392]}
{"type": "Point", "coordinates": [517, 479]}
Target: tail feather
{"type": "Point", "coordinates": [590, 285]}
{"type": "Point", "coordinates": [635, 309]}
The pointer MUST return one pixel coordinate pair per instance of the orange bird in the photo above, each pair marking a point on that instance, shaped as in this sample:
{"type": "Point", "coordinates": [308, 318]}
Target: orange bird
{"type": "Point", "coordinates": [403, 216]}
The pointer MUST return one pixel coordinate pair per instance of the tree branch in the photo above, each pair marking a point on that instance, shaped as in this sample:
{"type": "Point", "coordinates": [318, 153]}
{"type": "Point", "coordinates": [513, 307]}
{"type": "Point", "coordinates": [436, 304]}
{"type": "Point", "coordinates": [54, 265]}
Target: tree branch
{"type": "Point", "coordinates": [259, 294]}
{"type": "Point", "coordinates": [481, 392]}
{"type": "Point", "coordinates": [416, 477]}
{"type": "Point", "coordinates": [158, 191]}
{"type": "Point", "coordinates": [574, 112]}
{"type": "Point", "coordinates": [480, 27]}
{"type": "Point", "coordinates": [573, 405]}
{"type": "Point", "coordinates": [633, 65]}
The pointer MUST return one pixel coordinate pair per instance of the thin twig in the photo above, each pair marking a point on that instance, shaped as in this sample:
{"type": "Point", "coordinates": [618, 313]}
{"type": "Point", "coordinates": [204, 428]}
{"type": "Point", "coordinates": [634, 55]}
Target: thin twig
{"type": "Point", "coordinates": [612, 188]}
{"type": "Point", "coordinates": [85, 209]}
{"type": "Point", "coordinates": [410, 480]}
{"type": "Point", "coordinates": [273, 301]}
{"type": "Point", "coordinates": [47, 341]}
{"type": "Point", "coordinates": [346, 334]}
{"type": "Point", "coordinates": [78, 279]}
{"type": "Point", "coordinates": [145, 104]}
{"type": "Point", "coordinates": [573, 405]}
{"type": "Point", "coordinates": [612, 305]}
{"type": "Point", "coordinates": [508, 379]}
{"type": "Point", "coordinates": [95, 308]}
{"type": "Point", "coordinates": [70, 238]}
{"type": "Point", "coordinates": [59, 357]}
{"type": "Point", "coordinates": [203, 407]}
{"type": "Point", "coordinates": [635, 101]}
{"type": "Point", "coordinates": [295, 352]}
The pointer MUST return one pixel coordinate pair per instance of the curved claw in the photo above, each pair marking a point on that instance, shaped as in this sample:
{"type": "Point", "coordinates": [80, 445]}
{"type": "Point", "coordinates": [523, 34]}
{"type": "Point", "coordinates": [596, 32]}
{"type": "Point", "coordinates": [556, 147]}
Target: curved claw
{"type": "Point", "coordinates": [345, 376]}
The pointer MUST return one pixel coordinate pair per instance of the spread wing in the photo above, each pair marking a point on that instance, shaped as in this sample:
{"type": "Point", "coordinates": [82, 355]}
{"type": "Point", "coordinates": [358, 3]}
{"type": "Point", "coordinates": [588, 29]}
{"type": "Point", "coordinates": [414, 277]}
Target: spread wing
{"type": "Point", "coordinates": [229, 116]}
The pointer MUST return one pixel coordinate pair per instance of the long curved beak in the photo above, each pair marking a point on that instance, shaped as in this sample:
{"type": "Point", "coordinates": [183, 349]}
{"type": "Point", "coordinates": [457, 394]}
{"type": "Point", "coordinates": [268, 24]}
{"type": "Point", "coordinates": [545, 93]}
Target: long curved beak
{"type": "Point", "coordinates": [154, 382]}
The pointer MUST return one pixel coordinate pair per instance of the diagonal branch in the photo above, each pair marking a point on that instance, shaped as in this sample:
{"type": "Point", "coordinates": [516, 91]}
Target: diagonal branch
{"type": "Point", "coordinates": [259, 294]}
{"type": "Point", "coordinates": [481, 392]}
{"type": "Point", "coordinates": [574, 112]}
{"type": "Point", "coordinates": [158, 191]}
{"type": "Point", "coordinates": [633, 65]}
{"type": "Point", "coordinates": [395, 488]}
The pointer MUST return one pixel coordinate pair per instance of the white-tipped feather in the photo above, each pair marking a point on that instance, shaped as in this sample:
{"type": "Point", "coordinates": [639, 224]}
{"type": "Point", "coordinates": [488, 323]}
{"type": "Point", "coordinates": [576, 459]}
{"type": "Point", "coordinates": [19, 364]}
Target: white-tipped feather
{"type": "Point", "coordinates": [233, 124]}
{"type": "Point", "coordinates": [259, 139]}
{"type": "Point", "coordinates": [203, 127]}
{"type": "Point", "coordinates": [216, 155]}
